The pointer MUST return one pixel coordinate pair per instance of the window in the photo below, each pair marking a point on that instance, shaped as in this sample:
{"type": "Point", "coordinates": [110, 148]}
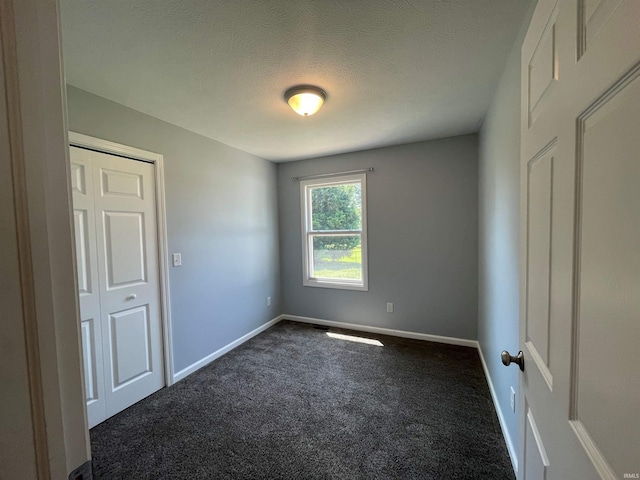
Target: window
{"type": "Point", "coordinates": [334, 237]}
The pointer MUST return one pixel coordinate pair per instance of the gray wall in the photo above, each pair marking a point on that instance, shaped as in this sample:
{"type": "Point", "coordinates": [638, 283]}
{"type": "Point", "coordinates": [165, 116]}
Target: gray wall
{"type": "Point", "coordinates": [423, 230]}
{"type": "Point", "coordinates": [221, 215]}
{"type": "Point", "coordinates": [499, 224]}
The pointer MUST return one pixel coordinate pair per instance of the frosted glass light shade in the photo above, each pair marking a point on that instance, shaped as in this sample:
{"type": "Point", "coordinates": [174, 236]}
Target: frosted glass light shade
{"type": "Point", "coordinates": [305, 100]}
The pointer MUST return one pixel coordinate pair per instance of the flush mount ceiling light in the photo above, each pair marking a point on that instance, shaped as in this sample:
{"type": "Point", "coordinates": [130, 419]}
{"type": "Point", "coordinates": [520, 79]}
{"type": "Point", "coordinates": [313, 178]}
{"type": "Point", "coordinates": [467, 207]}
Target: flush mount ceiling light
{"type": "Point", "coordinates": [305, 99]}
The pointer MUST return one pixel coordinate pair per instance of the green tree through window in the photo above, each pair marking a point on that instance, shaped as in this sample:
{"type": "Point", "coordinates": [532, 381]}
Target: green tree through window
{"type": "Point", "coordinates": [337, 208]}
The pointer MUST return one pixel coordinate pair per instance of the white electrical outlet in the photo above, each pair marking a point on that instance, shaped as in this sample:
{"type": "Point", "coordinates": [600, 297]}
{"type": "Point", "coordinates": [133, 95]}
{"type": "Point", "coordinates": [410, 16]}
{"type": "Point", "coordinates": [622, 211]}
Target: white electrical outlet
{"type": "Point", "coordinates": [389, 307]}
{"type": "Point", "coordinates": [268, 301]}
{"type": "Point", "coordinates": [177, 259]}
{"type": "Point", "coordinates": [513, 400]}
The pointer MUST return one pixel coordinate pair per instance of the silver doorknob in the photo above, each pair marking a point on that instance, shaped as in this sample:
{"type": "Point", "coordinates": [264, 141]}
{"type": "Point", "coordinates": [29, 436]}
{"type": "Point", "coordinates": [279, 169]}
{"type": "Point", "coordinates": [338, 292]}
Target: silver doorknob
{"type": "Point", "coordinates": [507, 358]}
{"type": "Point", "coordinates": [131, 297]}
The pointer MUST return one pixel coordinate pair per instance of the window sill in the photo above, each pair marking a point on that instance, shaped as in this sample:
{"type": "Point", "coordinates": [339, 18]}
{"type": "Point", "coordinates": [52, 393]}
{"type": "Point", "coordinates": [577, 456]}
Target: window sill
{"type": "Point", "coordinates": [362, 287]}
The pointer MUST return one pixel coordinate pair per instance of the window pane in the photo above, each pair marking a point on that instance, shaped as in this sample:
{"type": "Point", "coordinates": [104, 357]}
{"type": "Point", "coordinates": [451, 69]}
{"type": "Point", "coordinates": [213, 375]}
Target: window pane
{"type": "Point", "coordinates": [337, 207]}
{"type": "Point", "coordinates": [337, 257]}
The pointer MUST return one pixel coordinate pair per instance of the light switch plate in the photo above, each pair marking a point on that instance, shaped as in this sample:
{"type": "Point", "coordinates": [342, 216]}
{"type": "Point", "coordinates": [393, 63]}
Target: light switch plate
{"type": "Point", "coordinates": [389, 307]}
{"type": "Point", "coordinates": [177, 259]}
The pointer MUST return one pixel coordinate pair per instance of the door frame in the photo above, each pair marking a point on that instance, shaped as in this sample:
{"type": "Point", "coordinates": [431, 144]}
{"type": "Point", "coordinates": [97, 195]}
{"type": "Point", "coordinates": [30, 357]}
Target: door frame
{"type": "Point", "coordinates": [33, 120]}
{"type": "Point", "coordinates": [157, 160]}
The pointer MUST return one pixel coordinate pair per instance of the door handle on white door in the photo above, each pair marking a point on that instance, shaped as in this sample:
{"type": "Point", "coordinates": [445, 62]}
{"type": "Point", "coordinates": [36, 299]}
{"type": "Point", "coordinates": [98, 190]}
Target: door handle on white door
{"type": "Point", "coordinates": [507, 358]}
{"type": "Point", "coordinates": [131, 297]}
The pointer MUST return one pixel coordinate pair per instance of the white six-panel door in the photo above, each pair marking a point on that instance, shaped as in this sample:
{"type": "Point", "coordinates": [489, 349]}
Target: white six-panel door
{"type": "Point", "coordinates": [116, 245]}
{"type": "Point", "coordinates": [580, 267]}
{"type": "Point", "coordinates": [88, 289]}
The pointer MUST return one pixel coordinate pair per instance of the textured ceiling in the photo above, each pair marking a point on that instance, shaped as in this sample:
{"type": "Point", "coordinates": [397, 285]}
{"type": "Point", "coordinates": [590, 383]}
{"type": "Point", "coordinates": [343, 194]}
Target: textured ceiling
{"type": "Point", "coordinates": [395, 71]}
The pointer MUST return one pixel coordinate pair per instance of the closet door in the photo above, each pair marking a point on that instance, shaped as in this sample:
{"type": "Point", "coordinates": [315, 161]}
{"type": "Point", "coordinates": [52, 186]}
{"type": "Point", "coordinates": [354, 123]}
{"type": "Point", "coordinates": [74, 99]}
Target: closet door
{"type": "Point", "coordinates": [129, 281]}
{"type": "Point", "coordinates": [118, 279]}
{"type": "Point", "coordinates": [88, 283]}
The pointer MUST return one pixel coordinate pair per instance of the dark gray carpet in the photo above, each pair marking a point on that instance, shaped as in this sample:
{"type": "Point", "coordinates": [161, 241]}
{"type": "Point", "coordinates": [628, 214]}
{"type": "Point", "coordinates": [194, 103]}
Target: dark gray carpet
{"type": "Point", "coordinates": [293, 403]}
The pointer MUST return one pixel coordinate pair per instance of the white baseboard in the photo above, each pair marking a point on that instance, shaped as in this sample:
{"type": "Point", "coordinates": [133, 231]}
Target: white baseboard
{"type": "Point", "coordinates": [218, 353]}
{"type": "Point", "coordinates": [384, 331]}
{"type": "Point", "coordinates": [505, 433]}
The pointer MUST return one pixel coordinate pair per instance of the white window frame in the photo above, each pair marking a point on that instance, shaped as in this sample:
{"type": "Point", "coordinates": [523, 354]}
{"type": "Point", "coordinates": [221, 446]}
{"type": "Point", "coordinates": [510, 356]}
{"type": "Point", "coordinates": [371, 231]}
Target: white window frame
{"type": "Point", "coordinates": [308, 233]}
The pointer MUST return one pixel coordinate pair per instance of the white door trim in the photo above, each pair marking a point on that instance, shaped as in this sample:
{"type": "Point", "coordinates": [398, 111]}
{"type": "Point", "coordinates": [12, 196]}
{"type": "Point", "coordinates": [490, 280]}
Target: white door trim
{"type": "Point", "coordinates": [34, 140]}
{"type": "Point", "coordinates": [12, 135]}
{"type": "Point", "coordinates": [105, 146]}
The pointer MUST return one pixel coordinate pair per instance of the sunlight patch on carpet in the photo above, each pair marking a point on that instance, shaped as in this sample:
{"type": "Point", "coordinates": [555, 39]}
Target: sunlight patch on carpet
{"type": "Point", "coordinates": [352, 338]}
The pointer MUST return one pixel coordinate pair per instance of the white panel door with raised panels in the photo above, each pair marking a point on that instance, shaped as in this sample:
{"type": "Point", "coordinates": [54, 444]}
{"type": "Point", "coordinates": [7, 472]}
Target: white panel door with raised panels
{"type": "Point", "coordinates": [580, 224]}
{"type": "Point", "coordinates": [88, 288]}
{"type": "Point", "coordinates": [116, 244]}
